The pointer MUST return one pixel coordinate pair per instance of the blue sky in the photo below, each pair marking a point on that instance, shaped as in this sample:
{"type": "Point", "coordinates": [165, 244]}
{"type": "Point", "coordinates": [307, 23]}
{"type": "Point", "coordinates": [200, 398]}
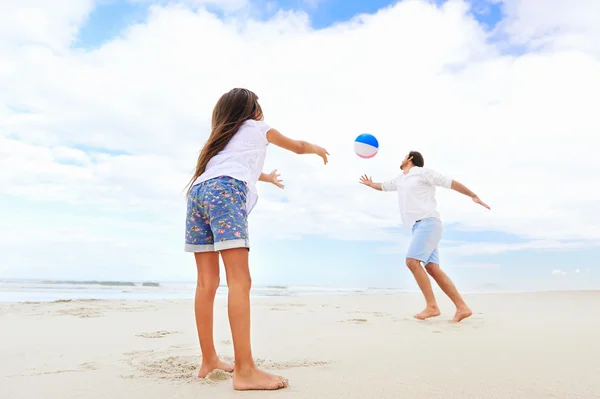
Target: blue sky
{"type": "Point", "coordinates": [505, 252]}
{"type": "Point", "coordinates": [111, 17]}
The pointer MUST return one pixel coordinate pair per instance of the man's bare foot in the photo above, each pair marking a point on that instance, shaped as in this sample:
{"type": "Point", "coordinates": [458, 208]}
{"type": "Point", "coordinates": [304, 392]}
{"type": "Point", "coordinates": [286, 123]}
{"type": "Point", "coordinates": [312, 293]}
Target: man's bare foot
{"type": "Point", "coordinates": [461, 313]}
{"type": "Point", "coordinates": [256, 380]}
{"type": "Point", "coordinates": [206, 369]}
{"type": "Point", "coordinates": [427, 313]}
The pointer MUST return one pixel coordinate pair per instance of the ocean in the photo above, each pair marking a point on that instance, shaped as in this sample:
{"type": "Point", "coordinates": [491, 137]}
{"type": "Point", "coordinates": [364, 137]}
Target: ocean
{"type": "Point", "coordinates": [48, 291]}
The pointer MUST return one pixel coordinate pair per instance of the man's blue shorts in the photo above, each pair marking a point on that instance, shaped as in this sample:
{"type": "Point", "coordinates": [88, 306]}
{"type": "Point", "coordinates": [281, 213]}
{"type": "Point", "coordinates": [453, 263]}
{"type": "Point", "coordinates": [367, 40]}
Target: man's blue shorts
{"type": "Point", "coordinates": [216, 216]}
{"type": "Point", "coordinates": [427, 234]}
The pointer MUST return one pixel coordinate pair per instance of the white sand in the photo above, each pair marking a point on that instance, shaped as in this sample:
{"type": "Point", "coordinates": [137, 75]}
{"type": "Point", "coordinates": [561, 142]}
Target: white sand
{"type": "Point", "coordinates": [515, 346]}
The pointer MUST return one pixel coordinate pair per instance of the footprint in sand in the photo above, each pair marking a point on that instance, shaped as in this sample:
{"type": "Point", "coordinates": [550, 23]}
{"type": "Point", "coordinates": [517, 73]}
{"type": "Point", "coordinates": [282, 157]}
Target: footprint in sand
{"type": "Point", "coordinates": [358, 321]}
{"type": "Point", "coordinates": [218, 376]}
{"type": "Point", "coordinates": [88, 366]}
{"type": "Point", "coordinates": [157, 334]}
{"type": "Point", "coordinates": [441, 324]}
{"type": "Point", "coordinates": [158, 365]}
{"type": "Point", "coordinates": [376, 314]}
{"type": "Point", "coordinates": [81, 368]}
{"type": "Point", "coordinates": [268, 364]}
{"type": "Point", "coordinates": [169, 365]}
{"type": "Point", "coordinates": [82, 313]}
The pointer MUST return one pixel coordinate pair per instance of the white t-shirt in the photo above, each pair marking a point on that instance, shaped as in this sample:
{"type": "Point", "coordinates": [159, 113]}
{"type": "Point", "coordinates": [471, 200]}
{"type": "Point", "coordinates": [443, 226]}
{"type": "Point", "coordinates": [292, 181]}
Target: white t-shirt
{"type": "Point", "coordinates": [242, 158]}
{"type": "Point", "coordinates": [416, 193]}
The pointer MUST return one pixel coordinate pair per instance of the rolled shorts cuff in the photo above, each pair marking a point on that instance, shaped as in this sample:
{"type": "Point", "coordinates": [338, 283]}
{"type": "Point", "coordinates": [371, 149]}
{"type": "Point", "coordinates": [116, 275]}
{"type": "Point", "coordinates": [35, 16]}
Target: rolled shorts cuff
{"type": "Point", "coordinates": [419, 257]}
{"type": "Point", "coordinates": [433, 258]}
{"type": "Point", "coordinates": [199, 248]}
{"type": "Point", "coordinates": [231, 244]}
{"type": "Point", "coordinates": [218, 246]}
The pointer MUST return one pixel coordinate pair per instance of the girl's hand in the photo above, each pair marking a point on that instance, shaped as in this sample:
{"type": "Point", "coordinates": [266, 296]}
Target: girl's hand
{"type": "Point", "coordinates": [273, 178]}
{"type": "Point", "coordinates": [322, 152]}
{"type": "Point", "coordinates": [296, 146]}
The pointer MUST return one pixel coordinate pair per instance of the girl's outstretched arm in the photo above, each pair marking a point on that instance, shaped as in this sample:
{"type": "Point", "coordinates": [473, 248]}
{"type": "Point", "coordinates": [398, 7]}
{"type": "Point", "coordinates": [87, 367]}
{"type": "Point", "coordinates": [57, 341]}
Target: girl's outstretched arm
{"type": "Point", "coordinates": [295, 146]}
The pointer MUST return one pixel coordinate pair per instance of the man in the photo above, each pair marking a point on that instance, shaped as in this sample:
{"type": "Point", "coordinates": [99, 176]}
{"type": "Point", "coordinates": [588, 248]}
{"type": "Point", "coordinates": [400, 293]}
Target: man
{"type": "Point", "coordinates": [415, 188]}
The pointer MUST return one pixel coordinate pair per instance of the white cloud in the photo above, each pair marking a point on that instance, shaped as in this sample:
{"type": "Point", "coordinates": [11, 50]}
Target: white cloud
{"type": "Point", "coordinates": [313, 3]}
{"type": "Point", "coordinates": [558, 272]}
{"type": "Point", "coordinates": [476, 265]}
{"type": "Point", "coordinates": [27, 24]}
{"type": "Point", "coordinates": [462, 249]}
{"type": "Point", "coordinates": [520, 130]}
{"type": "Point", "coordinates": [488, 248]}
{"type": "Point", "coordinates": [569, 24]}
{"type": "Point", "coordinates": [225, 5]}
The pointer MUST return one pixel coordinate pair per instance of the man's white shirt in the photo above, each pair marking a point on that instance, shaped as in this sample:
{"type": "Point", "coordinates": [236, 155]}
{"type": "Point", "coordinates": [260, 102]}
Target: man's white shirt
{"type": "Point", "coordinates": [416, 193]}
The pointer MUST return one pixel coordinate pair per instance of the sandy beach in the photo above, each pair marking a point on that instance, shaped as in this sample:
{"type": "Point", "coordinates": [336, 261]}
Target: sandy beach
{"type": "Point", "coordinates": [539, 345]}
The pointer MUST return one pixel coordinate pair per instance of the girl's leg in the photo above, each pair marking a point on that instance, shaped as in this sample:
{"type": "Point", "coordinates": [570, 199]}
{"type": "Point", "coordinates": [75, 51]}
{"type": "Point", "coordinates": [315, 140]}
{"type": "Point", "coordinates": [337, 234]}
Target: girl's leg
{"type": "Point", "coordinates": [246, 375]}
{"type": "Point", "coordinates": [207, 264]}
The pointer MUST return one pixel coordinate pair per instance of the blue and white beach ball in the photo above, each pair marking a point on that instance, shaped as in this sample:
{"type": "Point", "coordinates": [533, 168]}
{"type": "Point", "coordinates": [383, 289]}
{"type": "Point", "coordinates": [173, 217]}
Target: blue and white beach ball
{"type": "Point", "coordinates": [366, 146]}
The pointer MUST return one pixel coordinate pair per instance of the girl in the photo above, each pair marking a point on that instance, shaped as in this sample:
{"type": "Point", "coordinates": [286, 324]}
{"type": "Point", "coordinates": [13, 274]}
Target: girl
{"type": "Point", "coordinates": [220, 196]}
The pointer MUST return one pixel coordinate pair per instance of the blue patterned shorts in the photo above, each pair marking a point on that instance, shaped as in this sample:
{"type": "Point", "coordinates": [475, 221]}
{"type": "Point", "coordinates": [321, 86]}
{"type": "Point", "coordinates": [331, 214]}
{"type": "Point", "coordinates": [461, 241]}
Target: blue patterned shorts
{"type": "Point", "coordinates": [216, 216]}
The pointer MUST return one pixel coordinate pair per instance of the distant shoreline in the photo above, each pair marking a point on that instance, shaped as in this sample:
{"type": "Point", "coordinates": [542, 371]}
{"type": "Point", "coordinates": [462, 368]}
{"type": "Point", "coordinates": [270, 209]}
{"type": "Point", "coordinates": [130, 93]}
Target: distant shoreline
{"type": "Point", "coordinates": [89, 282]}
{"type": "Point", "coordinates": [106, 283]}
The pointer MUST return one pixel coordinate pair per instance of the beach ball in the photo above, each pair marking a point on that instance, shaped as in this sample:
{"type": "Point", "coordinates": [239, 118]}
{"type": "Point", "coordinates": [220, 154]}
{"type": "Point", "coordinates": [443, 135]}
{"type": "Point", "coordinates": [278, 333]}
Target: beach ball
{"type": "Point", "coordinates": [366, 146]}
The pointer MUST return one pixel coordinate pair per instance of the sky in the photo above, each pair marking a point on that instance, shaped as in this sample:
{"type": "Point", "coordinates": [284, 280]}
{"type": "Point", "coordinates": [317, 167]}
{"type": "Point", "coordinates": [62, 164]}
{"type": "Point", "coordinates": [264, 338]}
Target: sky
{"type": "Point", "coordinates": [105, 104]}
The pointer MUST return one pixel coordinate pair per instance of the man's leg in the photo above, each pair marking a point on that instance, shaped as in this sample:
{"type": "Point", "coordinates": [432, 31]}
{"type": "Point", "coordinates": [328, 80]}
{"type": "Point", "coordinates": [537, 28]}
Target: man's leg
{"type": "Point", "coordinates": [442, 279]}
{"type": "Point", "coordinates": [426, 236]}
{"type": "Point", "coordinates": [431, 309]}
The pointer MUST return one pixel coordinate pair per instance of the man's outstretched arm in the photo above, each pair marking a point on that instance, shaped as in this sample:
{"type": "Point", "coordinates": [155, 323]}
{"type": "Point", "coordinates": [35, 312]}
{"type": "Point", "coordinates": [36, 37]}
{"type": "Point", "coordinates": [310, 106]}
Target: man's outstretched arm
{"type": "Point", "coordinates": [438, 179]}
{"type": "Point", "coordinates": [389, 185]}
{"type": "Point", "coordinates": [461, 188]}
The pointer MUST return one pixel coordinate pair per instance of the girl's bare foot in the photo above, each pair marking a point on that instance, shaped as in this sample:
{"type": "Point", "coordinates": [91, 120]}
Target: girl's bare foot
{"type": "Point", "coordinates": [461, 313]}
{"type": "Point", "coordinates": [256, 379]}
{"type": "Point", "coordinates": [208, 368]}
{"type": "Point", "coordinates": [432, 311]}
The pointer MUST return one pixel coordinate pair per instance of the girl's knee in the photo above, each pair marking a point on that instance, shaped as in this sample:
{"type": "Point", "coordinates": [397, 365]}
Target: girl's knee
{"type": "Point", "coordinates": [239, 281]}
{"type": "Point", "coordinates": [209, 284]}
{"type": "Point", "coordinates": [236, 268]}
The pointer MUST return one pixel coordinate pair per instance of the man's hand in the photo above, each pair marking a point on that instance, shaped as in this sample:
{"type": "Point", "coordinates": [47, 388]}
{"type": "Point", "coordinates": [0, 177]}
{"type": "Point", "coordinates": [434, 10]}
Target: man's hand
{"type": "Point", "coordinates": [366, 180]}
{"type": "Point", "coordinates": [480, 202]}
{"type": "Point", "coordinates": [273, 178]}
{"type": "Point", "coordinates": [461, 188]}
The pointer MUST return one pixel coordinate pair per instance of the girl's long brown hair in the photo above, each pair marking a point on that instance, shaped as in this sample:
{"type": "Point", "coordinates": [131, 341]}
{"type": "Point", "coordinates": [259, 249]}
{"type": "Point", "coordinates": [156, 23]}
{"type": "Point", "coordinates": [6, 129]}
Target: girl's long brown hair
{"type": "Point", "coordinates": [231, 111]}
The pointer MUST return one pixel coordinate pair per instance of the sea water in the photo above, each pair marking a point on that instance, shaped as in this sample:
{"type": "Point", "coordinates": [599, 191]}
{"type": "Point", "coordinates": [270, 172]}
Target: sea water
{"type": "Point", "coordinates": [52, 290]}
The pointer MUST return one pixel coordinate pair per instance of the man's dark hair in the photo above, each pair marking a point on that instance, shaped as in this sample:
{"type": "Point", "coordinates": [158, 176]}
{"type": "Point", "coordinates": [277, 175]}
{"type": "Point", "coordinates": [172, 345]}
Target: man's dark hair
{"type": "Point", "coordinates": [417, 158]}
